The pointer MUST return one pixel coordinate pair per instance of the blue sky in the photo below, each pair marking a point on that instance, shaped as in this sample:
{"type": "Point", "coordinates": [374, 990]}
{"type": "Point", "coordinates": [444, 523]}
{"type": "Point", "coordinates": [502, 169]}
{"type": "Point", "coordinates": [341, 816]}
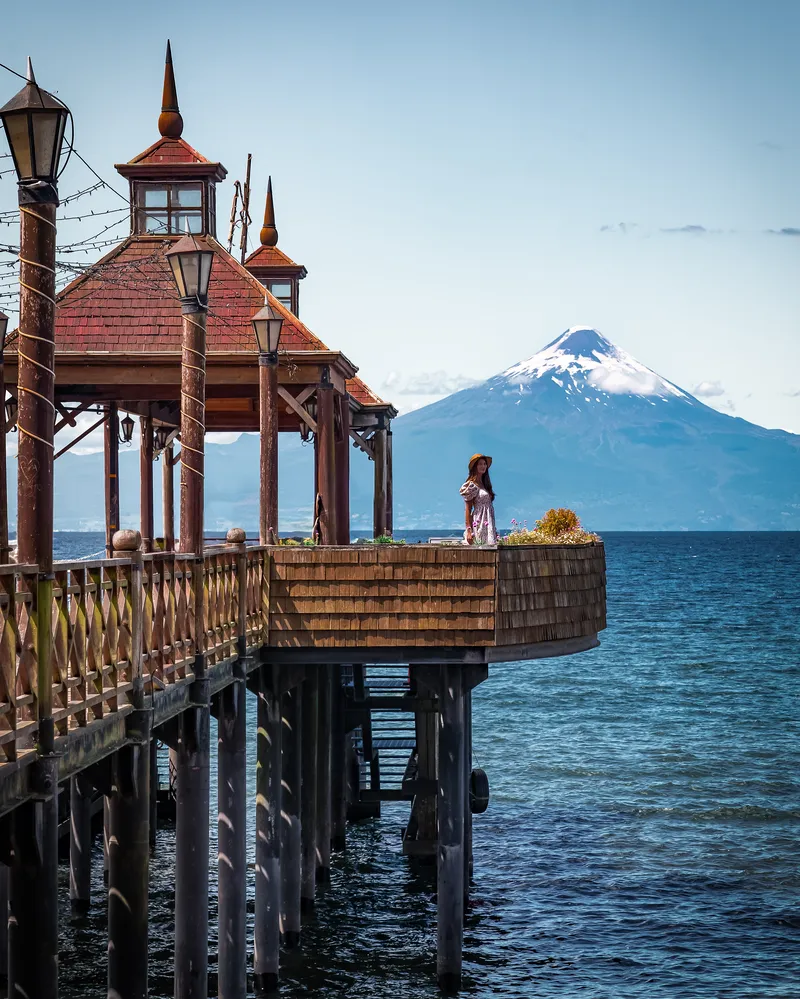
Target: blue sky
{"type": "Point", "coordinates": [466, 180]}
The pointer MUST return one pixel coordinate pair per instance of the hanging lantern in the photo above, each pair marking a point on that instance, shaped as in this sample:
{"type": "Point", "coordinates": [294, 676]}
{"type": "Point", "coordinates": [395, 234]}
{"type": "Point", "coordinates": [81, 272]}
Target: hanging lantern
{"type": "Point", "coordinates": [127, 426]}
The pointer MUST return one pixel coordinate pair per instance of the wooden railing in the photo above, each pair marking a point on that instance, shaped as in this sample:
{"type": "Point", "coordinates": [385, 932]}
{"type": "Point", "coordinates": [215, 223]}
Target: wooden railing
{"type": "Point", "coordinates": [119, 622]}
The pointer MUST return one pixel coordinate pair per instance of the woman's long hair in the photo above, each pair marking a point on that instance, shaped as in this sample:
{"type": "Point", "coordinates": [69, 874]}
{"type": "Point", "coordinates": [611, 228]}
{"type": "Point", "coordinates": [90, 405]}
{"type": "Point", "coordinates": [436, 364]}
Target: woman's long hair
{"type": "Point", "coordinates": [482, 481]}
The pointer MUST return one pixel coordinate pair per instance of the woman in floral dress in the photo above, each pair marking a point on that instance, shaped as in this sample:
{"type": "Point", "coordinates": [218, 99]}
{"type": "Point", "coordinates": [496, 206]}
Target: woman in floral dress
{"type": "Point", "coordinates": [479, 499]}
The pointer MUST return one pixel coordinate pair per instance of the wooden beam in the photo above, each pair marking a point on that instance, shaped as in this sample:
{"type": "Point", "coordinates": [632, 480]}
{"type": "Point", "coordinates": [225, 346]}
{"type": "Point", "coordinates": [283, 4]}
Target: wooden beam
{"type": "Point", "coordinates": [292, 403]}
{"type": "Point", "coordinates": [364, 443]}
{"type": "Point", "coordinates": [69, 415]}
{"type": "Point", "coordinates": [80, 437]}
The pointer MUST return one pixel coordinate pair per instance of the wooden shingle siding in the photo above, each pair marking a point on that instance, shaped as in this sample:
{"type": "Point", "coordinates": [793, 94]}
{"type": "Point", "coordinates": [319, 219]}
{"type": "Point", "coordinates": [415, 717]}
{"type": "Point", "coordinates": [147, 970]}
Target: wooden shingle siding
{"type": "Point", "coordinates": [418, 595]}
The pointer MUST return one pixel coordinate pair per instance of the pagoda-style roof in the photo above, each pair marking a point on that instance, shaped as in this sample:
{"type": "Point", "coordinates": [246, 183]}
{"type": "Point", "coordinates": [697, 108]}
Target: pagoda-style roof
{"type": "Point", "coordinates": [272, 256]}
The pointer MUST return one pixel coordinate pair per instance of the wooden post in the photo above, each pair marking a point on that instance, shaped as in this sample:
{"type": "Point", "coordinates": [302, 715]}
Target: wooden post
{"type": "Point", "coordinates": [467, 808]}
{"type": "Point", "coordinates": [154, 782]}
{"type": "Point", "coordinates": [450, 854]}
{"type": "Point", "coordinates": [232, 839]}
{"type": "Point", "coordinates": [338, 763]}
{"type": "Point", "coordinates": [5, 548]}
{"type": "Point", "coordinates": [267, 932]}
{"type": "Point", "coordinates": [111, 454]}
{"type": "Point", "coordinates": [146, 483]}
{"type": "Point", "coordinates": [4, 922]}
{"type": "Point", "coordinates": [80, 844]}
{"type": "Point", "coordinates": [291, 780]}
{"type": "Point", "coordinates": [324, 775]}
{"type": "Point", "coordinates": [168, 494]}
{"type": "Point", "coordinates": [232, 802]}
{"type": "Point", "coordinates": [268, 422]}
{"type": "Point", "coordinates": [379, 498]}
{"type": "Point", "coordinates": [343, 471]}
{"type": "Point", "coordinates": [326, 457]}
{"type": "Point", "coordinates": [33, 936]}
{"type": "Point", "coordinates": [308, 802]}
{"type": "Point", "coordinates": [192, 765]}
{"type": "Point", "coordinates": [389, 485]}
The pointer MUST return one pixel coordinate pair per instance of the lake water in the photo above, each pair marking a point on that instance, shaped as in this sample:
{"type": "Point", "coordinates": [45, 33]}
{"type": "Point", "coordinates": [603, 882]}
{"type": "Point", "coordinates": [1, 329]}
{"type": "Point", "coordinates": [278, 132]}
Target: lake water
{"type": "Point", "coordinates": [642, 836]}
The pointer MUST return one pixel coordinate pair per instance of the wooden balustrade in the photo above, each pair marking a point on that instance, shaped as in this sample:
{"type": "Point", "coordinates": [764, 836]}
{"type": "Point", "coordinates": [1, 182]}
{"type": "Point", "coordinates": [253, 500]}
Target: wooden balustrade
{"type": "Point", "coordinates": [168, 639]}
{"type": "Point", "coordinates": [18, 661]}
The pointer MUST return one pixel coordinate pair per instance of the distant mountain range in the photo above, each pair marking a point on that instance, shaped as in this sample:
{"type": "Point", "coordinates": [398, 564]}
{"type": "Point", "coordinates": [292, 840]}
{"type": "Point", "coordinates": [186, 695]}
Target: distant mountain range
{"type": "Point", "coordinates": [580, 424]}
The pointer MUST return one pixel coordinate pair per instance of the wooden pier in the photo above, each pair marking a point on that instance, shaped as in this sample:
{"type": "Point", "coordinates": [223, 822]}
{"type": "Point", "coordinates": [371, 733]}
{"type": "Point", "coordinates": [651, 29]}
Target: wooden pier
{"type": "Point", "coordinates": [362, 658]}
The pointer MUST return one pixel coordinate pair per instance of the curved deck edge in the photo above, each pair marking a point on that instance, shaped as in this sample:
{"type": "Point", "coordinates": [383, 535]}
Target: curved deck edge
{"type": "Point", "coordinates": [541, 650]}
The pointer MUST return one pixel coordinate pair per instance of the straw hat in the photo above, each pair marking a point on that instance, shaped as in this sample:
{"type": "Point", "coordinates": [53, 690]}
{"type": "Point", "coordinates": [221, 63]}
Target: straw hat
{"type": "Point", "coordinates": [473, 461]}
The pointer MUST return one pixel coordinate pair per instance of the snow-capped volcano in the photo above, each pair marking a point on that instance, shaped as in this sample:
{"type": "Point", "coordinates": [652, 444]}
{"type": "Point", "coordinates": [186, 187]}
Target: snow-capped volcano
{"type": "Point", "coordinates": [583, 424]}
{"type": "Point", "coordinates": [583, 362]}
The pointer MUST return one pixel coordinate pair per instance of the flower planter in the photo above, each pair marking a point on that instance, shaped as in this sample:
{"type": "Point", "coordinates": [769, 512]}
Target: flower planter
{"type": "Point", "coordinates": [538, 600]}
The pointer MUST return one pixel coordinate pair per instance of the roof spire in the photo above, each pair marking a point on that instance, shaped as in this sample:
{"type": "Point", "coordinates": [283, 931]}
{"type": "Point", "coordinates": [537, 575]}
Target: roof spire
{"type": "Point", "coordinates": [269, 234]}
{"type": "Point", "coordinates": [31, 77]}
{"type": "Point", "coordinates": [170, 123]}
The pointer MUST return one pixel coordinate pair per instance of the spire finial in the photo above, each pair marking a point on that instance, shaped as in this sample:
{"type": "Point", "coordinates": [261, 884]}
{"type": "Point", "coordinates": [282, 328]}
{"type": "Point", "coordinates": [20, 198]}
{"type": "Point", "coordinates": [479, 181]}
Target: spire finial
{"type": "Point", "coordinates": [31, 77]}
{"type": "Point", "coordinates": [170, 123]}
{"type": "Point", "coordinates": [269, 234]}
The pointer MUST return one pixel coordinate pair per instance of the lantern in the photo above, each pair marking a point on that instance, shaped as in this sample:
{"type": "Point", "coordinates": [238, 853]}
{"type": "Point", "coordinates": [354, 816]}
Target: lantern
{"type": "Point", "coordinates": [190, 259]}
{"type": "Point", "coordinates": [127, 425]}
{"type": "Point", "coordinates": [267, 324]}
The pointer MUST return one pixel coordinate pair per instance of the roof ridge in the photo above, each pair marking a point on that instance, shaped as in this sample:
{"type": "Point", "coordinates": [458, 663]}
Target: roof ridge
{"type": "Point", "coordinates": [167, 140]}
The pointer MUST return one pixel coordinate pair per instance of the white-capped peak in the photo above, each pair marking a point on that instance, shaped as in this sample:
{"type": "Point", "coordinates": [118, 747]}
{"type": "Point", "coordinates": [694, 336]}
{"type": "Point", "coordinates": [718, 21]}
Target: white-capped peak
{"type": "Point", "coordinates": [587, 358]}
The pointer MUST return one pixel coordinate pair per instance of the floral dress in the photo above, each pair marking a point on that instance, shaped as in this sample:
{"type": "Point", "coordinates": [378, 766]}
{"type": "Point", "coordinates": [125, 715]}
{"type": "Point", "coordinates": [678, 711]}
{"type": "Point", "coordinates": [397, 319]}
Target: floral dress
{"type": "Point", "coordinates": [483, 526]}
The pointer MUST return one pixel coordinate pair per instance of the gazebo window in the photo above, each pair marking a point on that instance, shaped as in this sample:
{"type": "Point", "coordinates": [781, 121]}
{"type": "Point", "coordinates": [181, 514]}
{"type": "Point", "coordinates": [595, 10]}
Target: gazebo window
{"type": "Point", "coordinates": [169, 208]}
{"type": "Point", "coordinates": [282, 290]}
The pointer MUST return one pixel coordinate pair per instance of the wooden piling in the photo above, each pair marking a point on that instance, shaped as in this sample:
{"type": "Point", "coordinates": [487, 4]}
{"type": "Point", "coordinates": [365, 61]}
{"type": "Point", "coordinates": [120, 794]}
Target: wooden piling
{"type": "Point", "coordinates": [267, 932]}
{"type": "Point", "coordinates": [33, 881]}
{"type": "Point", "coordinates": [146, 483]}
{"type": "Point", "coordinates": [232, 839]}
{"type": "Point", "coordinates": [324, 775]}
{"type": "Point", "coordinates": [291, 781]}
{"type": "Point", "coordinates": [191, 850]}
{"type": "Point", "coordinates": [338, 763]}
{"type": "Point", "coordinates": [4, 922]}
{"type": "Point", "coordinates": [467, 806]}
{"type": "Point", "coordinates": [308, 798]}
{"type": "Point", "coordinates": [450, 854]}
{"type": "Point", "coordinates": [80, 844]}
{"type": "Point", "coordinates": [129, 866]}
{"type": "Point", "coordinates": [154, 782]}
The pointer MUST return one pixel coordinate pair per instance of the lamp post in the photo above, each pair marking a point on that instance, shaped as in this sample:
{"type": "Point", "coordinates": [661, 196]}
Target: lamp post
{"type": "Point", "coordinates": [267, 324]}
{"type": "Point", "coordinates": [4, 546]}
{"type": "Point", "coordinates": [191, 259]}
{"type": "Point", "coordinates": [34, 125]}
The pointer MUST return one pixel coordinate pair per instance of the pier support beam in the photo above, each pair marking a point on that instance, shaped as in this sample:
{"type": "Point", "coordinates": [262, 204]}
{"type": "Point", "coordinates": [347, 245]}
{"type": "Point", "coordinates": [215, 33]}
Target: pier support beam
{"type": "Point", "coordinates": [324, 775]}
{"type": "Point", "coordinates": [168, 496]}
{"type": "Point", "coordinates": [191, 848]}
{"type": "Point", "coordinates": [232, 840]}
{"type": "Point", "coordinates": [80, 844]}
{"type": "Point", "coordinates": [291, 779]}
{"type": "Point", "coordinates": [450, 856]}
{"type": "Point", "coordinates": [338, 763]}
{"type": "Point", "coordinates": [326, 459]}
{"type": "Point", "coordinates": [129, 866]}
{"type": "Point", "coordinates": [379, 445]}
{"type": "Point", "coordinates": [154, 782]}
{"type": "Point", "coordinates": [267, 933]}
{"type": "Point", "coordinates": [308, 798]}
{"type": "Point", "coordinates": [467, 808]}
{"type": "Point", "coordinates": [33, 881]}
{"type": "Point", "coordinates": [342, 446]}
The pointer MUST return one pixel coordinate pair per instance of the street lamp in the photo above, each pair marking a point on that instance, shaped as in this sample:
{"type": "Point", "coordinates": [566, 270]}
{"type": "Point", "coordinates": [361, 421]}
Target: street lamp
{"type": "Point", "coordinates": [267, 324]}
{"type": "Point", "coordinates": [127, 426]}
{"type": "Point", "coordinates": [34, 123]}
{"type": "Point", "coordinates": [190, 259]}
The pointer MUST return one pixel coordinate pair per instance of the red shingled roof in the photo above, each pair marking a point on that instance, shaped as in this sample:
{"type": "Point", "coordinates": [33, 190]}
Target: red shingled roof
{"type": "Point", "coordinates": [168, 150]}
{"type": "Point", "coordinates": [127, 302]}
{"type": "Point", "coordinates": [269, 256]}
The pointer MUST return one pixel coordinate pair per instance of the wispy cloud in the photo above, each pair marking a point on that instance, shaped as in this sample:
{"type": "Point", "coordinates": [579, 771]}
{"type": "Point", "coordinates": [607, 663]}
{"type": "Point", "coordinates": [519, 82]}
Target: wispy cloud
{"type": "Point", "coordinates": [706, 390]}
{"type": "Point", "coordinates": [772, 147]}
{"type": "Point", "coordinates": [786, 231]}
{"type": "Point", "coordinates": [794, 395]}
{"type": "Point", "coordinates": [427, 383]}
{"type": "Point", "coordinates": [623, 227]}
{"type": "Point", "coordinates": [692, 230]}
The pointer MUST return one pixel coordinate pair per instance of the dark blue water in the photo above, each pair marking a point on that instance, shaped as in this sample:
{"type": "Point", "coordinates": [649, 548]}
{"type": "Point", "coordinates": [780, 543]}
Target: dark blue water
{"type": "Point", "coordinates": [642, 837]}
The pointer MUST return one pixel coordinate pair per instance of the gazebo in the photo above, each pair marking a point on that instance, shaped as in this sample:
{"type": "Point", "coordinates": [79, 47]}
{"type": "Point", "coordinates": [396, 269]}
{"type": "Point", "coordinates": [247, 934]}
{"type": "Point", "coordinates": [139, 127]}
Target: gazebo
{"type": "Point", "coordinates": [118, 340]}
